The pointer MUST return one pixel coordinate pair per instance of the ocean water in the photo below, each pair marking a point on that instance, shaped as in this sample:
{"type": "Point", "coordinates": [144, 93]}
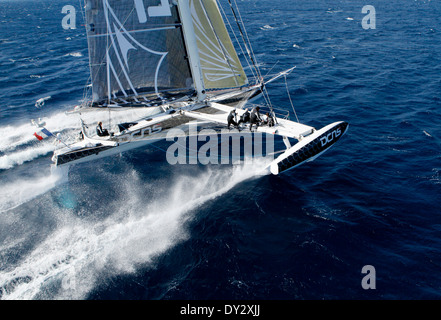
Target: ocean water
{"type": "Point", "coordinates": [134, 227]}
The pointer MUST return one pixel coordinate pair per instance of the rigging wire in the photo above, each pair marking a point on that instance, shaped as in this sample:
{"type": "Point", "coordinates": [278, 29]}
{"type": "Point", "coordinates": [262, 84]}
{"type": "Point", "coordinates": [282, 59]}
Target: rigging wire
{"type": "Point", "coordinates": [289, 96]}
{"type": "Point", "coordinates": [272, 67]}
{"type": "Point", "coordinates": [82, 6]}
{"type": "Point", "coordinates": [235, 37]}
{"type": "Point", "coordinates": [243, 37]}
{"type": "Point", "coordinates": [246, 39]}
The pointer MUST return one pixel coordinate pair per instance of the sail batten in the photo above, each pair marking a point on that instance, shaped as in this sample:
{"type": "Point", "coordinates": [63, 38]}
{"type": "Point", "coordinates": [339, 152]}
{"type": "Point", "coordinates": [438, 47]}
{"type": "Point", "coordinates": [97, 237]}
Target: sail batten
{"type": "Point", "coordinates": [169, 27]}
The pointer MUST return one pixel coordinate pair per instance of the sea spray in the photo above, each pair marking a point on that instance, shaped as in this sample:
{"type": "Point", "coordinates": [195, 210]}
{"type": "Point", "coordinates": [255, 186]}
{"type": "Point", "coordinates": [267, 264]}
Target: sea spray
{"type": "Point", "coordinates": [21, 135]}
{"type": "Point", "coordinates": [19, 191]}
{"type": "Point", "coordinates": [16, 158]}
{"type": "Point", "coordinates": [145, 222]}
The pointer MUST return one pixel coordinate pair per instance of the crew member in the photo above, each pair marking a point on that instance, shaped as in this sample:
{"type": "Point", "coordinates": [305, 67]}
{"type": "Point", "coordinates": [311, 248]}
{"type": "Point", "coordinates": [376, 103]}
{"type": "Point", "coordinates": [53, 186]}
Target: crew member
{"type": "Point", "coordinates": [100, 131]}
{"type": "Point", "coordinates": [270, 121]}
{"type": "Point", "coordinates": [232, 118]}
{"type": "Point", "coordinates": [265, 118]}
{"type": "Point", "coordinates": [245, 117]}
{"type": "Point", "coordinates": [255, 118]}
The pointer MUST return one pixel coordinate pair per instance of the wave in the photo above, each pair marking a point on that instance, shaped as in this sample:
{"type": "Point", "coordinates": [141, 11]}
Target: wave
{"type": "Point", "coordinates": [74, 54]}
{"type": "Point", "coordinates": [40, 102]}
{"type": "Point", "coordinates": [14, 136]}
{"type": "Point", "coordinates": [9, 161]}
{"type": "Point", "coordinates": [18, 192]}
{"type": "Point", "coordinates": [266, 27]}
{"type": "Point", "coordinates": [80, 252]}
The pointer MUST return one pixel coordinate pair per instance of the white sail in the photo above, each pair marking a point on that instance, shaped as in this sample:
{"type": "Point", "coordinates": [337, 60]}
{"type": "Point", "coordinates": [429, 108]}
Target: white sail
{"type": "Point", "coordinates": [219, 62]}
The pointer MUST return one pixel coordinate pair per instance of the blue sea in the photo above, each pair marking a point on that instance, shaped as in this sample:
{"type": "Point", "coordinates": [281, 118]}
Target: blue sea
{"type": "Point", "coordinates": [134, 227]}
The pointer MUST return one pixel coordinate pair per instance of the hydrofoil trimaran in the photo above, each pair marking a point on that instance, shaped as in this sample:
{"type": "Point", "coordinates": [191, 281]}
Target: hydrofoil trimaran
{"type": "Point", "coordinates": [176, 58]}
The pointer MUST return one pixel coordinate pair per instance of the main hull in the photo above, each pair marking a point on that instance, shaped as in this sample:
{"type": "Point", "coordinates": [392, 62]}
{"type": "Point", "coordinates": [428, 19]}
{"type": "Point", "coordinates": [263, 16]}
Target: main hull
{"type": "Point", "coordinates": [87, 154]}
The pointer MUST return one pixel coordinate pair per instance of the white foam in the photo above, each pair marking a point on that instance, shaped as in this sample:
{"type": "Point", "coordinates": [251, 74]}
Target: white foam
{"type": "Point", "coordinates": [427, 134]}
{"type": "Point", "coordinates": [74, 54]}
{"type": "Point", "coordinates": [15, 193]}
{"type": "Point", "coordinates": [22, 134]}
{"type": "Point", "coordinates": [266, 27]}
{"type": "Point", "coordinates": [80, 252]}
{"type": "Point", "coordinates": [40, 102]}
{"type": "Point", "coordinates": [9, 161]}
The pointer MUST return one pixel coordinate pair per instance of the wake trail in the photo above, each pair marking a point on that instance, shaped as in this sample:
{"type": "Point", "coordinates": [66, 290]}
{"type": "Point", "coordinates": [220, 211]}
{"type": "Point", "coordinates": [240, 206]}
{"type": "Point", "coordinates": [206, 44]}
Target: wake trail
{"type": "Point", "coordinates": [18, 192]}
{"type": "Point", "coordinates": [9, 161]}
{"type": "Point", "coordinates": [80, 253]}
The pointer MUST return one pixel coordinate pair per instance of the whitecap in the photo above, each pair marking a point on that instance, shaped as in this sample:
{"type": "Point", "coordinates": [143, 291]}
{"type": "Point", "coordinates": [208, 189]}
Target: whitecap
{"type": "Point", "coordinates": [18, 192]}
{"type": "Point", "coordinates": [9, 161]}
{"type": "Point", "coordinates": [74, 54]}
{"type": "Point", "coordinates": [266, 27]}
{"type": "Point", "coordinates": [40, 102]}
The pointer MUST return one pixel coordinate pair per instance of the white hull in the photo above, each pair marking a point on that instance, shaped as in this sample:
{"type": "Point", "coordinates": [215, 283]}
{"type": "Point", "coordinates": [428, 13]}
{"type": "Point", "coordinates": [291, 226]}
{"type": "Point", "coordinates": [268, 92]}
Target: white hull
{"type": "Point", "coordinates": [311, 143]}
{"type": "Point", "coordinates": [309, 148]}
{"type": "Point", "coordinates": [110, 152]}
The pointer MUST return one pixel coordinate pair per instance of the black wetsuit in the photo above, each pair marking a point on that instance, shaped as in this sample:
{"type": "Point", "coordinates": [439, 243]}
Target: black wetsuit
{"type": "Point", "coordinates": [270, 121]}
{"type": "Point", "coordinates": [244, 118]}
{"type": "Point", "coordinates": [255, 118]}
{"type": "Point", "coordinates": [231, 119]}
{"type": "Point", "coordinates": [101, 132]}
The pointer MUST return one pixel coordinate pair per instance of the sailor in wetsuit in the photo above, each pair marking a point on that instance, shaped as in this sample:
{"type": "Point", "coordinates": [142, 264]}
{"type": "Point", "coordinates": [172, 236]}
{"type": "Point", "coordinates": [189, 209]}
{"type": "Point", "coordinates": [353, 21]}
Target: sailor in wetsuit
{"type": "Point", "coordinates": [255, 118]}
{"type": "Point", "coordinates": [270, 120]}
{"type": "Point", "coordinates": [232, 119]}
{"type": "Point", "coordinates": [100, 131]}
{"type": "Point", "coordinates": [245, 117]}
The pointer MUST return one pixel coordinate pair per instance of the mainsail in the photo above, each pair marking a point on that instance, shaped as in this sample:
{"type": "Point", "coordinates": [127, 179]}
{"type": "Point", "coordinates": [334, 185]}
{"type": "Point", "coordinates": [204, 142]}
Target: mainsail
{"type": "Point", "coordinates": [136, 47]}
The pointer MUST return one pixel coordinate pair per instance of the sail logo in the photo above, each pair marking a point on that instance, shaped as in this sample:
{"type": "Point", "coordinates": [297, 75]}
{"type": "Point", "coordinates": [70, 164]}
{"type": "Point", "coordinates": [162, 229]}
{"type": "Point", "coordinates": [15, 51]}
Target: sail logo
{"type": "Point", "coordinates": [163, 10]}
{"type": "Point", "coordinates": [139, 134]}
{"type": "Point", "coordinates": [121, 67]}
{"type": "Point", "coordinates": [330, 137]}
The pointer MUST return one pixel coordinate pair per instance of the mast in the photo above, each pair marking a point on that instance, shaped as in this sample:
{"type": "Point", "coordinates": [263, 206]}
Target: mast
{"type": "Point", "coordinates": [192, 47]}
